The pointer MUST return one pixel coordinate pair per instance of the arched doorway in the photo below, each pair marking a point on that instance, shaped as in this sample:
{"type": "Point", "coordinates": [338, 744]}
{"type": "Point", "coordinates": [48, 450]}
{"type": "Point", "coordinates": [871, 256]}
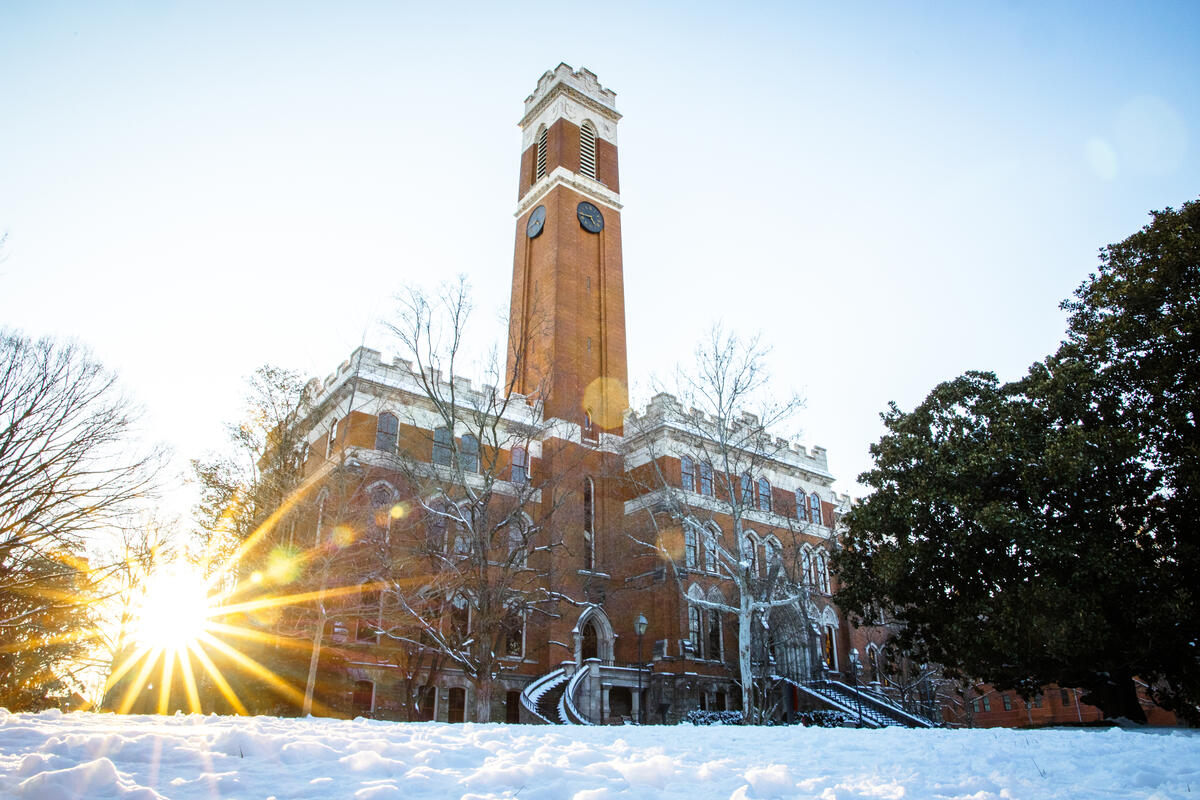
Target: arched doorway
{"type": "Point", "coordinates": [591, 641]}
{"type": "Point", "coordinates": [594, 636]}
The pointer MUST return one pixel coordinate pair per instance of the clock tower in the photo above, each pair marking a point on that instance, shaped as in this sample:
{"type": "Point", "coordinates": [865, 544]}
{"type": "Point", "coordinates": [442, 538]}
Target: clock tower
{"type": "Point", "coordinates": [567, 315]}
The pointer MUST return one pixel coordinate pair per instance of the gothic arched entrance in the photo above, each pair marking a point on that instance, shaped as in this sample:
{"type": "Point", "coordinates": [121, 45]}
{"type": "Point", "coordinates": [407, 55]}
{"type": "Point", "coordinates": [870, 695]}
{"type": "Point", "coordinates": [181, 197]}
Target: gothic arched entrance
{"type": "Point", "coordinates": [594, 636]}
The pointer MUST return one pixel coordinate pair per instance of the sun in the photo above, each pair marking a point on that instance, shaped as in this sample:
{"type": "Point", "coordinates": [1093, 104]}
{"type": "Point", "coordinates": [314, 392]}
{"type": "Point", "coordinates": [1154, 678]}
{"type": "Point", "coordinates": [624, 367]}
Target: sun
{"type": "Point", "coordinates": [175, 610]}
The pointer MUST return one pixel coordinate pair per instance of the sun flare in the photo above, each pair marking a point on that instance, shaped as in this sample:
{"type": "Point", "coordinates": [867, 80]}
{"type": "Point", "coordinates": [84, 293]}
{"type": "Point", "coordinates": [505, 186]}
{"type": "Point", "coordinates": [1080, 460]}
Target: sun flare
{"type": "Point", "coordinates": [175, 610]}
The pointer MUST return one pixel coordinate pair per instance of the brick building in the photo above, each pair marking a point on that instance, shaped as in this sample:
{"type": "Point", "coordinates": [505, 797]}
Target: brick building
{"type": "Point", "coordinates": [534, 529]}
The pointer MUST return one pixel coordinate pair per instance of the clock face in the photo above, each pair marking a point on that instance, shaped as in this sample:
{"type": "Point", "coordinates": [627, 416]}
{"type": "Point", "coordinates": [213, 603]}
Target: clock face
{"type": "Point", "coordinates": [537, 221]}
{"type": "Point", "coordinates": [590, 218]}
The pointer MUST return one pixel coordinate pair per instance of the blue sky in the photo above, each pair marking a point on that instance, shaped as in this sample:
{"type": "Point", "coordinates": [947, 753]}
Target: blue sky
{"type": "Point", "coordinates": [892, 193]}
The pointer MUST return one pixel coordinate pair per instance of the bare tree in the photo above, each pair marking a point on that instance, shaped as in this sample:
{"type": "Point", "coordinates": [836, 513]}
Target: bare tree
{"type": "Point", "coordinates": [69, 472]}
{"type": "Point", "coordinates": [470, 566]}
{"type": "Point", "coordinates": [67, 469]}
{"type": "Point", "coordinates": [719, 416]}
{"type": "Point", "coordinates": [246, 488]}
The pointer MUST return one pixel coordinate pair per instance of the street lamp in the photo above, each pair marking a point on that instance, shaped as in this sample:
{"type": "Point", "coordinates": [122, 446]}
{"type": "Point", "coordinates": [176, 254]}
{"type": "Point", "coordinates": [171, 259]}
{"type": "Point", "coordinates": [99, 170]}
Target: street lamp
{"type": "Point", "coordinates": [639, 627]}
{"type": "Point", "coordinates": [854, 677]}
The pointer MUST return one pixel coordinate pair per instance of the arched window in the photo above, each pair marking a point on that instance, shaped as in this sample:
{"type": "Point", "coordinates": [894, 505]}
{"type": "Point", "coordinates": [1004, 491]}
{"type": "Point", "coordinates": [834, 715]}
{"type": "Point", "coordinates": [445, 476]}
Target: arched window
{"type": "Point", "coordinates": [386, 429]}
{"type": "Point", "coordinates": [712, 535]}
{"type": "Point", "coordinates": [772, 553]}
{"type": "Point", "coordinates": [806, 565]}
{"type": "Point", "coordinates": [468, 454]}
{"type": "Point", "coordinates": [462, 539]}
{"type": "Point", "coordinates": [687, 473]}
{"type": "Point", "coordinates": [514, 633]}
{"type": "Point", "coordinates": [714, 646]}
{"type": "Point", "coordinates": [460, 619]}
{"type": "Point", "coordinates": [587, 150]}
{"type": "Point", "coordinates": [691, 552]}
{"type": "Point", "coordinates": [747, 491]}
{"type": "Point", "coordinates": [801, 504]}
{"type": "Point", "coordinates": [435, 526]}
{"type": "Point", "coordinates": [443, 447]}
{"type": "Point", "coordinates": [539, 166]}
{"type": "Point", "coordinates": [520, 465]}
{"type": "Point", "coordinates": [383, 497]}
{"type": "Point", "coordinates": [589, 524]}
{"type": "Point", "coordinates": [814, 505]}
{"type": "Point", "coordinates": [764, 494]}
{"type": "Point", "coordinates": [322, 502]}
{"type": "Point", "coordinates": [750, 552]}
{"type": "Point", "coordinates": [695, 631]}
{"type": "Point", "coordinates": [331, 442]}
{"type": "Point", "coordinates": [706, 479]}
{"type": "Point", "coordinates": [518, 551]}
{"type": "Point", "coordinates": [822, 573]}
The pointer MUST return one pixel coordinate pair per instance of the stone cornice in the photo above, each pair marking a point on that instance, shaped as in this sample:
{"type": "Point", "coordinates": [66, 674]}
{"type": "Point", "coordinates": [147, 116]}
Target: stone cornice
{"type": "Point", "coordinates": [561, 176]}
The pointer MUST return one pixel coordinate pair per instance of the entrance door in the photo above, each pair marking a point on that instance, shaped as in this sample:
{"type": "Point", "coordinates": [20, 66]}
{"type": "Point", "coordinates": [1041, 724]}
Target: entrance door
{"type": "Point", "coordinates": [591, 641]}
{"type": "Point", "coordinates": [512, 707]}
{"type": "Point", "coordinates": [364, 693]}
{"type": "Point", "coordinates": [456, 705]}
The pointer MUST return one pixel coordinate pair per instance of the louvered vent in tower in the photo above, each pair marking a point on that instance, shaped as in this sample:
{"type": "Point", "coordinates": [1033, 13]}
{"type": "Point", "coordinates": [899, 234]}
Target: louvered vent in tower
{"type": "Point", "coordinates": [541, 155]}
{"type": "Point", "coordinates": [587, 150]}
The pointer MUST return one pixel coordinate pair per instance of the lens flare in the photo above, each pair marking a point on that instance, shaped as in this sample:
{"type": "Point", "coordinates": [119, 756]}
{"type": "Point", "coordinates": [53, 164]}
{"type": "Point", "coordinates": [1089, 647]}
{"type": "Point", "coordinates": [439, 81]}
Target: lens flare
{"type": "Point", "coordinates": [174, 611]}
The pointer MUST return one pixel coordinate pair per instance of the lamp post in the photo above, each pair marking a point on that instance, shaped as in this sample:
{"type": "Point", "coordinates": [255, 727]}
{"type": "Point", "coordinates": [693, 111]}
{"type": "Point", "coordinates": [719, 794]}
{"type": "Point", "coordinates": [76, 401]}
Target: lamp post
{"type": "Point", "coordinates": [854, 678]}
{"type": "Point", "coordinates": [639, 627]}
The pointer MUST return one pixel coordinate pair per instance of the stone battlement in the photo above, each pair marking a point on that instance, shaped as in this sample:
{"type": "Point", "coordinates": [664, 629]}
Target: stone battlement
{"type": "Point", "coordinates": [582, 80]}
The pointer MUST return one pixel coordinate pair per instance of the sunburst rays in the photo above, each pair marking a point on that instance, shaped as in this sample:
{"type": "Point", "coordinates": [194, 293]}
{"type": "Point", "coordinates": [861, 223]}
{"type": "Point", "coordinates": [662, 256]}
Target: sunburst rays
{"type": "Point", "coordinates": [187, 649]}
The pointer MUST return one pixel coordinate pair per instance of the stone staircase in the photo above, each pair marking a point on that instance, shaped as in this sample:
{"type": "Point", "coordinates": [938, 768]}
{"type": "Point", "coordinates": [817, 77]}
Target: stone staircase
{"type": "Point", "coordinates": [542, 698]}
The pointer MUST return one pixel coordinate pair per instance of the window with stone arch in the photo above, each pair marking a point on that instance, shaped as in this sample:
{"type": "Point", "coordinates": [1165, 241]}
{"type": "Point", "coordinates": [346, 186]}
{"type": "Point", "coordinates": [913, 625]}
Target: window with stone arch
{"type": "Point", "coordinates": [806, 566]}
{"type": "Point", "coordinates": [539, 161]}
{"type": "Point", "coordinates": [764, 494]}
{"type": "Point", "coordinates": [712, 539]}
{"type": "Point", "coordinates": [691, 549]}
{"type": "Point", "coordinates": [460, 618]}
{"type": "Point", "coordinates": [518, 542]}
{"type": "Point", "coordinates": [772, 553]}
{"type": "Point", "coordinates": [715, 646]}
{"type": "Point", "coordinates": [821, 572]}
{"type": "Point", "coordinates": [706, 480]}
{"type": "Point", "coordinates": [587, 150]}
{"type": "Point", "coordinates": [814, 505]}
{"type": "Point", "coordinates": [747, 498]}
{"type": "Point", "coordinates": [589, 524]}
{"type": "Point", "coordinates": [801, 504]}
{"type": "Point", "coordinates": [382, 498]}
{"type": "Point", "coordinates": [750, 551]}
{"type": "Point", "coordinates": [387, 428]}
{"type": "Point", "coordinates": [696, 622]}
{"type": "Point", "coordinates": [687, 474]}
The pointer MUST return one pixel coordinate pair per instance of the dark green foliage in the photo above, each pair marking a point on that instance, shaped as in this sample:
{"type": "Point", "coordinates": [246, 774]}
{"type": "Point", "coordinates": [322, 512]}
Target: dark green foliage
{"type": "Point", "coordinates": [1043, 531]}
{"type": "Point", "coordinates": [47, 622]}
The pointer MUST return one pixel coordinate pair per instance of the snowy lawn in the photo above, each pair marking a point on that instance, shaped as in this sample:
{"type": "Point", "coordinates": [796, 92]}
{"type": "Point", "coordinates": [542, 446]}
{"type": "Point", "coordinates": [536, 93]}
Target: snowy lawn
{"type": "Point", "coordinates": [62, 757]}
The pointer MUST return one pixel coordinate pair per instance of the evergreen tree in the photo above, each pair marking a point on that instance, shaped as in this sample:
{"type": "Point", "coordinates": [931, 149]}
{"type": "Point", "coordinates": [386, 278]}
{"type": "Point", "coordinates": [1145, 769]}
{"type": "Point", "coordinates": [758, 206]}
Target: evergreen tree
{"type": "Point", "coordinates": [1042, 531]}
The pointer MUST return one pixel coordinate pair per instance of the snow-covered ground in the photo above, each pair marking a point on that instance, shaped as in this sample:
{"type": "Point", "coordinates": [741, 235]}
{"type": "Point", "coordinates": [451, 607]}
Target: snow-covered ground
{"type": "Point", "coordinates": [62, 757]}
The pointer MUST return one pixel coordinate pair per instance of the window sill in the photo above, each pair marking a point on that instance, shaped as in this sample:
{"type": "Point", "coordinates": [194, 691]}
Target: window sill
{"type": "Point", "coordinates": [594, 574]}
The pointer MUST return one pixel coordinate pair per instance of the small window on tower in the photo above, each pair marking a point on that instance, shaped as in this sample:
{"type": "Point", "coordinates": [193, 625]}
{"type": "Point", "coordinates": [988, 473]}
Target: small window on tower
{"type": "Point", "coordinates": [587, 150]}
{"type": "Point", "coordinates": [539, 169]}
